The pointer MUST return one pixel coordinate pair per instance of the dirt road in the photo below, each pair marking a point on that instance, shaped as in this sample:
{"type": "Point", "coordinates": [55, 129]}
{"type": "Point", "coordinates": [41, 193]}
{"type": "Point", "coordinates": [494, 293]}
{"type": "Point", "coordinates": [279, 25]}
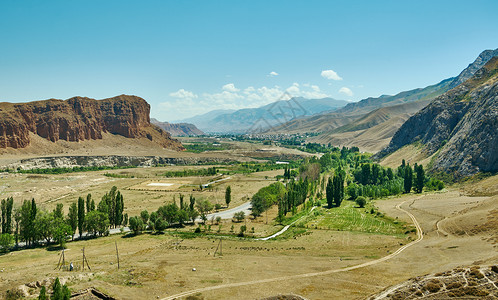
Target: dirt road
{"type": "Point", "coordinates": [420, 236]}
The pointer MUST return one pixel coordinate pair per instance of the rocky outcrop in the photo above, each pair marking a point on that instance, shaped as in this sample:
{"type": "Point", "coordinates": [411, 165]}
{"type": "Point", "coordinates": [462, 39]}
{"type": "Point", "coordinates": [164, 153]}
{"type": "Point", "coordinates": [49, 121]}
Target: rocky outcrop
{"type": "Point", "coordinates": [461, 124]}
{"type": "Point", "coordinates": [78, 119]}
{"type": "Point", "coordinates": [178, 129]}
{"type": "Point", "coordinates": [108, 161]}
{"type": "Point", "coordinates": [467, 73]}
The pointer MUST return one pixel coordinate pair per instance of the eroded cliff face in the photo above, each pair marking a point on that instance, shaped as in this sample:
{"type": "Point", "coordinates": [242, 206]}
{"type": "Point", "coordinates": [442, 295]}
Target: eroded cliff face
{"type": "Point", "coordinates": [78, 119]}
{"type": "Point", "coordinates": [461, 124]}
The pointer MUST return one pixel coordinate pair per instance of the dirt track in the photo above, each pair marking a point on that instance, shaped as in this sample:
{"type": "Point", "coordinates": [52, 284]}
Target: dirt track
{"type": "Point", "coordinates": [420, 236]}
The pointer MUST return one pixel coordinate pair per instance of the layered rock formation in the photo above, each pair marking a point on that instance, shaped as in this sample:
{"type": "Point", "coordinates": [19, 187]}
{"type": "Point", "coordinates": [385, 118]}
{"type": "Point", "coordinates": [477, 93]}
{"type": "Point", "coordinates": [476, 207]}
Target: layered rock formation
{"type": "Point", "coordinates": [78, 119]}
{"type": "Point", "coordinates": [178, 129]}
{"type": "Point", "coordinates": [461, 124]}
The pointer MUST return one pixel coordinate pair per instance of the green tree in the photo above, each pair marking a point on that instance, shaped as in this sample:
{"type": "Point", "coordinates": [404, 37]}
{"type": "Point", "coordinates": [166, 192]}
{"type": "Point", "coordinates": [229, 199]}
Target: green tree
{"type": "Point", "coordinates": [59, 211]}
{"type": "Point", "coordinates": [352, 191]}
{"type": "Point", "coordinates": [4, 216]}
{"type": "Point", "coordinates": [97, 223]}
{"type": "Point", "coordinates": [361, 201]}
{"type": "Point", "coordinates": [27, 230]}
{"type": "Point", "coordinates": [243, 229]}
{"type": "Point", "coordinates": [119, 210]}
{"type": "Point", "coordinates": [169, 212]}
{"type": "Point", "coordinates": [160, 225]}
{"type": "Point", "coordinates": [144, 214]}
{"type": "Point", "coordinates": [193, 214]}
{"type": "Point", "coordinates": [239, 216]}
{"type": "Point", "coordinates": [72, 218]}
{"type": "Point", "coordinates": [408, 178]}
{"type": "Point", "coordinates": [7, 205]}
{"type": "Point", "coordinates": [192, 202]}
{"type": "Point", "coordinates": [329, 193]}
{"type": "Point", "coordinates": [66, 293]}
{"type": "Point", "coordinates": [44, 224]}
{"type": "Point", "coordinates": [60, 231]}
{"type": "Point", "coordinates": [6, 241]}
{"type": "Point", "coordinates": [17, 219]}
{"type": "Point", "coordinates": [43, 293]}
{"type": "Point", "coordinates": [204, 207]}
{"type": "Point", "coordinates": [57, 290]}
{"type": "Point", "coordinates": [88, 203]}
{"type": "Point", "coordinates": [228, 195]}
{"type": "Point", "coordinates": [419, 179]}
{"type": "Point", "coordinates": [81, 215]}
{"type": "Point", "coordinates": [338, 193]}
{"type": "Point", "coordinates": [136, 225]}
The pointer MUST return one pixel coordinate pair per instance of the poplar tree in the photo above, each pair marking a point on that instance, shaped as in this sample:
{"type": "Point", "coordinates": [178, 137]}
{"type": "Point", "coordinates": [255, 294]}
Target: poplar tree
{"type": "Point", "coordinates": [228, 195]}
{"type": "Point", "coordinates": [81, 215]}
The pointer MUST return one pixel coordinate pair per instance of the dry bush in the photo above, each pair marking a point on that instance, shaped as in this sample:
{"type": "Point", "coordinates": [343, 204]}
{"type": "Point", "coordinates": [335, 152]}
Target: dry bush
{"type": "Point", "coordinates": [433, 286]}
{"type": "Point", "coordinates": [476, 273]}
{"type": "Point", "coordinates": [454, 285]}
{"type": "Point", "coordinates": [473, 291]}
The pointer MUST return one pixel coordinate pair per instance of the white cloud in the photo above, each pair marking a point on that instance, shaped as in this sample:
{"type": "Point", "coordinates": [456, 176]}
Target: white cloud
{"type": "Point", "coordinates": [346, 91]}
{"type": "Point", "coordinates": [273, 74]}
{"type": "Point", "coordinates": [183, 94]}
{"type": "Point", "coordinates": [330, 74]}
{"type": "Point", "coordinates": [230, 87]}
{"type": "Point", "coordinates": [187, 104]}
{"type": "Point", "coordinates": [249, 90]}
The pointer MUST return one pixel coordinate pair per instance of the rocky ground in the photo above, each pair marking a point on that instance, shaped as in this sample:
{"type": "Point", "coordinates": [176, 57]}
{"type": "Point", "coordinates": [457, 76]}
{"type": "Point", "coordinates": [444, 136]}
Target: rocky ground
{"type": "Point", "coordinates": [474, 282]}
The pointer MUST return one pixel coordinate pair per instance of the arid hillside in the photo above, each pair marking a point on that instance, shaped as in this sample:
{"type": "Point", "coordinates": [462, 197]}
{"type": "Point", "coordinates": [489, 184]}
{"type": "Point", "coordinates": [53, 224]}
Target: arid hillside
{"type": "Point", "coordinates": [373, 131]}
{"type": "Point", "coordinates": [79, 119]}
{"type": "Point", "coordinates": [459, 127]}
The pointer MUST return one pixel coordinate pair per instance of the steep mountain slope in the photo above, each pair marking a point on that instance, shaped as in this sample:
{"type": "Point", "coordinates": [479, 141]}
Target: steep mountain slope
{"type": "Point", "coordinates": [78, 119]}
{"type": "Point", "coordinates": [460, 126]}
{"type": "Point", "coordinates": [373, 131]}
{"type": "Point", "coordinates": [177, 129]}
{"type": "Point", "coordinates": [480, 61]}
{"type": "Point", "coordinates": [203, 120]}
{"type": "Point", "coordinates": [354, 111]}
{"type": "Point", "coordinates": [278, 112]}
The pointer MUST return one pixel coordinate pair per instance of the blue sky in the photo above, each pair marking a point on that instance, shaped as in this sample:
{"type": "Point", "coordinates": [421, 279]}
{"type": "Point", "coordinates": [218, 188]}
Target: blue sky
{"type": "Point", "coordinates": [189, 57]}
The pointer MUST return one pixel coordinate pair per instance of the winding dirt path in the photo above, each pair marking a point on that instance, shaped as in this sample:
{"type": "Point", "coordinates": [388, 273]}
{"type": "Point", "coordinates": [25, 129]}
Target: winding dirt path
{"type": "Point", "coordinates": [420, 236]}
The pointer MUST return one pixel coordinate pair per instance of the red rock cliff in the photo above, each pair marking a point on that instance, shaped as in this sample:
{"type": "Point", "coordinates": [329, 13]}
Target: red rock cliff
{"type": "Point", "coordinates": [79, 119]}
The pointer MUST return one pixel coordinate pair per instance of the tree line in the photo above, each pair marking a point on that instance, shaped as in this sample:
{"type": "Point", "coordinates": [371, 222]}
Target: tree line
{"type": "Point", "coordinates": [170, 215]}
{"type": "Point", "coordinates": [35, 226]}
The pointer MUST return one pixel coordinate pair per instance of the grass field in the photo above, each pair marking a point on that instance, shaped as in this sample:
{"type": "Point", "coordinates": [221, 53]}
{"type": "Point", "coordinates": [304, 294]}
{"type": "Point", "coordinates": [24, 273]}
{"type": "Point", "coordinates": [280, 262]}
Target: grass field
{"type": "Point", "coordinates": [349, 217]}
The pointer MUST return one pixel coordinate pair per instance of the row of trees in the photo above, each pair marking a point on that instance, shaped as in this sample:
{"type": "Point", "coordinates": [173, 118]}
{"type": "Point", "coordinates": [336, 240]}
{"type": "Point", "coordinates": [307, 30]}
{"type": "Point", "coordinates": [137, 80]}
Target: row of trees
{"type": "Point", "coordinates": [335, 189]}
{"type": "Point", "coordinates": [33, 225]}
{"type": "Point", "coordinates": [172, 215]}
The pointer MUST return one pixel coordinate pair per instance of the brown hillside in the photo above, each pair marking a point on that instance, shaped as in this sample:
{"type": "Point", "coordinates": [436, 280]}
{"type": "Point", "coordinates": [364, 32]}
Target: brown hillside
{"type": "Point", "coordinates": [373, 131]}
{"type": "Point", "coordinates": [459, 127]}
{"type": "Point", "coordinates": [78, 119]}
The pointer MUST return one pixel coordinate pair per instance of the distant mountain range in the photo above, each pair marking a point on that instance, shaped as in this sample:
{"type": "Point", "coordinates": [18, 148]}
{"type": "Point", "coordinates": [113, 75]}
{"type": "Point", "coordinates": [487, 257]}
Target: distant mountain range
{"type": "Point", "coordinates": [177, 129]}
{"type": "Point", "coordinates": [261, 118]}
{"type": "Point", "coordinates": [371, 123]}
{"type": "Point", "coordinates": [459, 128]}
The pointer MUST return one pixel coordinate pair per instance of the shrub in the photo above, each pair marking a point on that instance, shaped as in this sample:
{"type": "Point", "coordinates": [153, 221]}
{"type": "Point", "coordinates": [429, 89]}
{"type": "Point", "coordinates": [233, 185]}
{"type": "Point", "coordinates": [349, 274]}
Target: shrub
{"type": "Point", "coordinates": [361, 201]}
{"type": "Point", "coordinates": [432, 287]}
